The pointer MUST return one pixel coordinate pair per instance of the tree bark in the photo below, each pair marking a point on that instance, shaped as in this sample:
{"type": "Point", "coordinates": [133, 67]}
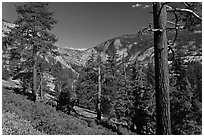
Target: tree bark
{"type": "Point", "coordinates": [163, 123]}
{"type": "Point", "coordinates": [99, 94]}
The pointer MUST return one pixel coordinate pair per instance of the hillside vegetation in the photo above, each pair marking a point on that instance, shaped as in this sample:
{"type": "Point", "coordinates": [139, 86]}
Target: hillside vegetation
{"type": "Point", "coordinates": [24, 117]}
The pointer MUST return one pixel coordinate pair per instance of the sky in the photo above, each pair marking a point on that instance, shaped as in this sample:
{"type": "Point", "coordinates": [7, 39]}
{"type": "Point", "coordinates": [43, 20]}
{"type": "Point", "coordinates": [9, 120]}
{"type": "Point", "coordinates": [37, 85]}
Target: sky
{"type": "Point", "coordinates": [87, 24]}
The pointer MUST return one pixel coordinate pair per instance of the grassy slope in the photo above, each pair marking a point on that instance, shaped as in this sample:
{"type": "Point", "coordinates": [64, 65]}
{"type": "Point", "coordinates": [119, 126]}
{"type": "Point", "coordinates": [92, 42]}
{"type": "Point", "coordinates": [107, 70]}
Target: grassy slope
{"type": "Point", "coordinates": [14, 124]}
{"type": "Point", "coordinates": [22, 116]}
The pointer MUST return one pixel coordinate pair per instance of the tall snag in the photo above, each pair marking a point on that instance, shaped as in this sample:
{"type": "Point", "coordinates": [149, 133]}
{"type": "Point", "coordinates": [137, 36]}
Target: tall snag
{"type": "Point", "coordinates": [99, 94]}
{"type": "Point", "coordinates": [161, 69]}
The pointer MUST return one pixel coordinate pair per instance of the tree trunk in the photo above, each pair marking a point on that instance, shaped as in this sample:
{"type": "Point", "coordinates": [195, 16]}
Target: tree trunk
{"type": "Point", "coordinates": [163, 123]}
{"type": "Point", "coordinates": [41, 86]}
{"type": "Point", "coordinates": [124, 70]}
{"type": "Point", "coordinates": [99, 94]}
{"type": "Point", "coordinates": [34, 73]}
{"type": "Point", "coordinates": [34, 79]}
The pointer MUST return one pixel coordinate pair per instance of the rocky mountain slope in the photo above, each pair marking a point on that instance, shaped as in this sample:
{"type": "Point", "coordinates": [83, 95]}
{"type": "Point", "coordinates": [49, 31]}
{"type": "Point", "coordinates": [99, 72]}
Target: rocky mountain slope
{"type": "Point", "coordinates": [137, 47]}
{"type": "Point", "coordinates": [128, 46]}
{"type": "Point", "coordinates": [131, 47]}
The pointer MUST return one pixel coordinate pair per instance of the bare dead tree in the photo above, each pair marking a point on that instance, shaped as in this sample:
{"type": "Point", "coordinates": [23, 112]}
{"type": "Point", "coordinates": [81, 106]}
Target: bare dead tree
{"type": "Point", "coordinates": [99, 90]}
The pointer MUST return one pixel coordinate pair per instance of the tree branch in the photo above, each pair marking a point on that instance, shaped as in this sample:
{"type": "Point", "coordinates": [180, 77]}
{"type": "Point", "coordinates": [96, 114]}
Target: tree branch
{"type": "Point", "coordinates": [176, 28]}
{"type": "Point", "coordinates": [148, 30]}
{"type": "Point", "coordinates": [171, 49]}
{"type": "Point", "coordinates": [187, 4]}
{"type": "Point", "coordinates": [179, 26]}
{"type": "Point", "coordinates": [170, 9]}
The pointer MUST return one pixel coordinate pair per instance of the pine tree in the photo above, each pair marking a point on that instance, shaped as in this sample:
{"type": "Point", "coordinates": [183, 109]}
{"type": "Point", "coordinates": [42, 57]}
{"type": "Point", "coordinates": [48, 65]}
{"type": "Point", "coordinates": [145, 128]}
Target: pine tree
{"type": "Point", "coordinates": [194, 74]}
{"type": "Point", "coordinates": [111, 83]}
{"type": "Point", "coordinates": [142, 107]}
{"type": "Point", "coordinates": [93, 78]}
{"type": "Point", "coordinates": [65, 94]}
{"type": "Point", "coordinates": [10, 55]}
{"type": "Point", "coordinates": [123, 82]}
{"type": "Point", "coordinates": [88, 83]}
{"type": "Point", "coordinates": [184, 111]}
{"type": "Point", "coordinates": [32, 35]}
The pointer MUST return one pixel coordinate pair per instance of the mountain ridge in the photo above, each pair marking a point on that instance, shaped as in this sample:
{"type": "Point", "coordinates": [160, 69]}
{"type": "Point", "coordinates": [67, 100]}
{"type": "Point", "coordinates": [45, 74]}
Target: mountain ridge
{"type": "Point", "coordinates": [131, 47]}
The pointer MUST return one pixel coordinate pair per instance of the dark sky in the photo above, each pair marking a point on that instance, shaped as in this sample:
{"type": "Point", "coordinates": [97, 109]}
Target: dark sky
{"type": "Point", "coordinates": [84, 25]}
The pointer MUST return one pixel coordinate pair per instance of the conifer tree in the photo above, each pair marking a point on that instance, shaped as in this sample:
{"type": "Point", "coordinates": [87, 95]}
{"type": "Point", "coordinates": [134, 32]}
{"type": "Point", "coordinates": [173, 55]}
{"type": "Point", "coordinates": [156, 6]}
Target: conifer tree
{"type": "Point", "coordinates": [93, 78]}
{"type": "Point", "coordinates": [115, 84]}
{"type": "Point", "coordinates": [141, 96]}
{"type": "Point", "coordinates": [32, 35]}
{"type": "Point", "coordinates": [111, 81]}
{"type": "Point", "coordinates": [88, 83]}
{"type": "Point", "coordinates": [184, 110]}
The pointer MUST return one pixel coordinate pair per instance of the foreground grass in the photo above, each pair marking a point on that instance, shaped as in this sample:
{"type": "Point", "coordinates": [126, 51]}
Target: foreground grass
{"type": "Point", "coordinates": [22, 116]}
